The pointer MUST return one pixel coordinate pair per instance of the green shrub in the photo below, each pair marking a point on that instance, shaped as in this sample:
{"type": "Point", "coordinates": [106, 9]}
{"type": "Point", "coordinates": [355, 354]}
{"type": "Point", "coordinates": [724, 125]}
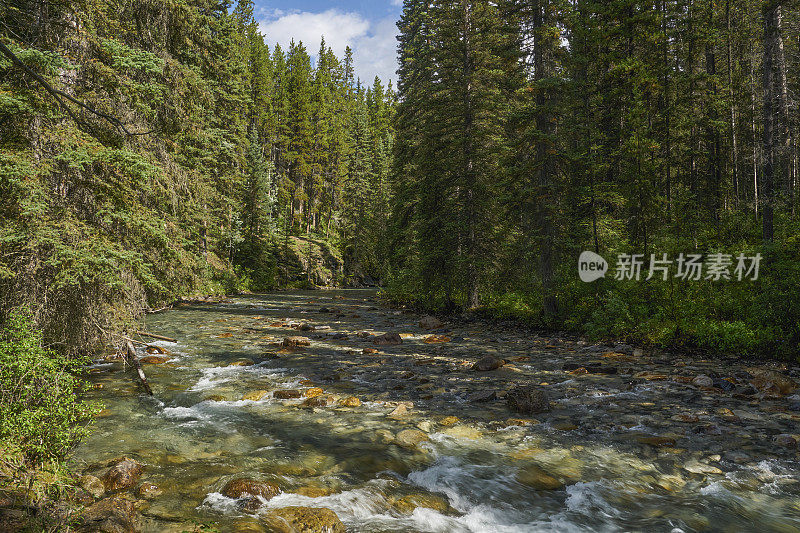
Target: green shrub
{"type": "Point", "coordinates": [41, 413]}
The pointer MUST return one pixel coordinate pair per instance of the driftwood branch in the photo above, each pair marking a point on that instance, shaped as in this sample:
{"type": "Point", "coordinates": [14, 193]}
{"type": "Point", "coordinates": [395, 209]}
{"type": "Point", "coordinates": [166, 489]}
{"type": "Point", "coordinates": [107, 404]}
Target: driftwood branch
{"type": "Point", "coordinates": [59, 95]}
{"type": "Point", "coordinates": [154, 336]}
{"type": "Point", "coordinates": [135, 362]}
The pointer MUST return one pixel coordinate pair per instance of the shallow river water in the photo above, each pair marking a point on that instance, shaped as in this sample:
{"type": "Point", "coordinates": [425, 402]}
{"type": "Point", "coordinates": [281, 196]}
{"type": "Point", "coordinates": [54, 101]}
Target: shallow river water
{"type": "Point", "coordinates": [638, 449]}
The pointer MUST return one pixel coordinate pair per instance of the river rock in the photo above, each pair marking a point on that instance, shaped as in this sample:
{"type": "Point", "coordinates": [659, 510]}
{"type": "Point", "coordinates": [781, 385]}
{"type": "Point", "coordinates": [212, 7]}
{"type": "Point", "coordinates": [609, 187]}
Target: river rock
{"type": "Point", "coordinates": [786, 441]}
{"type": "Point", "coordinates": [771, 382]}
{"type": "Point", "coordinates": [538, 478]}
{"type": "Point", "coordinates": [303, 520]}
{"type": "Point", "coordinates": [287, 394]}
{"type": "Point", "coordinates": [92, 485]}
{"type": "Point", "coordinates": [311, 491]}
{"type": "Point", "coordinates": [487, 363]}
{"type": "Point", "coordinates": [482, 396]}
{"type": "Point", "coordinates": [112, 515]}
{"type": "Point", "coordinates": [696, 467]}
{"type": "Point", "coordinates": [410, 438]}
{"type": "Point", "coordinates": [255, 395]}
{"type": "Point", "coordinates": [528, 399]}
{"type": "Point", "coordinates": [399, 412]}
{"type": "Point", "coordinates": [430, 322]}
{"type": "Point", "coordinates": [237, 488]}
{"type": "Point", "coordinates": [148, 491]}
{"type": "Point", "coordinates": [318, 401]}
{"type": "Point", "coordinates": [449, 421]}
{"type": "Point", "coordinates": [388, 339]}
{"type": "Point", "coordinates": [350, 401]}
{"type": "Point", "coordinates": [702, 381]}
{"type": "Point", "coordinates": [295, 341]}
{"type": "Point", "coordinates": [313, 392]}
{"type": "Point", "coordinates": [122, 475]}
{"type": "Point", "coordinates": [408, 503]}
{"type": "Point", "coordinates": [153, 359]}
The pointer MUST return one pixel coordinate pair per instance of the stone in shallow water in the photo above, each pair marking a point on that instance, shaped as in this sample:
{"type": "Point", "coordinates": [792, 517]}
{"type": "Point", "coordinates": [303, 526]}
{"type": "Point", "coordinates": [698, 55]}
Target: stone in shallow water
{"type": "Point", "coordinates": [697, 467]}
{"type": "Point", "coordinates": [485, 364]}
{"type": "Point", "coordinates": [313, 392]}
{"type": "Point", "coordinates": [314, 492]}
{"type": "Point", "coordinates": [122, 475]}
{"type": "Point", "coordinates": [771, 382]}
{"type": "Point", "coordinates": [387, 339]}
{"type": "Point", "coordinates": [430, 322]}
{"type": "Point", "coordinates": [304, 520]}
{"type": "Point", "coordinates": [528, 399]}
{"type": "Point", "coordinates": [148, 491]}
{"type": "Point", "coordinates": [350, 401]}
{"type": "Point", "coordinates": [92, 485]}
{"type": "Point", "coordinates": [112, 515]}
{"type": "Point", "coordinates": [399, 412]}
{"type": "Point", "coordinates": [287, 394]}
{"type": "Point", "coordinates": [236, 488]}
{"type": "Point", "coordinates": [255, 395]}
{"type": "Point", "coordinates": [295, 341]}
{"type": "Point", "coordinates": [702, 381]}
{"type": "Point", "coordinates": [410, 438]}
{"type": "Point", "coordinates": [538, 478]}
{"type": "Point", "coordinates": [408, 503]}
{"type": "Point", "coordinates": [449, 420]}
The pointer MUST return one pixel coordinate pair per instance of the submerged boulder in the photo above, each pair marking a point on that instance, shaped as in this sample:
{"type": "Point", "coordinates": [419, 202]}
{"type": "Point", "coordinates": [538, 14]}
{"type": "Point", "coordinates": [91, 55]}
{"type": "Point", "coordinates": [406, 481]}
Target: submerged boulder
{"type": "Point", "coordinates": [112, 515]}
{"type": "Point", "coordinates": [388, 339]}
{"type": "Point", "coordinates": [528, 399]}
{"type": "Point", "coordinates": [303, 520]}
{"type": "Point", "coordinates": [295, 340]}
{"type": "Point", "coordinates": [241, 487]}
{"type": "Point", "coordinates": [122, 475]}
{"type": "Point", "coordinates": [484, 364]}
{"type": "Point", "coordinates": [430, 322]}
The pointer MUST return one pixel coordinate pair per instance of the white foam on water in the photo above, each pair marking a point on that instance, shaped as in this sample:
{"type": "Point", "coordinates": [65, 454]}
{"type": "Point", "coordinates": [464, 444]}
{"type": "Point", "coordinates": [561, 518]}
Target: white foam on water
{"type": "Point", "coordinates": [216, 375]}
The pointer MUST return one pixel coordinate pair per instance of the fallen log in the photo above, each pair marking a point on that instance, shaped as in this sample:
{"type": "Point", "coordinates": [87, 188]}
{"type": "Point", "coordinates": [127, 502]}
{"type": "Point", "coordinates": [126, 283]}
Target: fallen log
{"type": "Point", "coordinates": [135, 362]}
{"type": "Point", "coordinates": [154, 336]}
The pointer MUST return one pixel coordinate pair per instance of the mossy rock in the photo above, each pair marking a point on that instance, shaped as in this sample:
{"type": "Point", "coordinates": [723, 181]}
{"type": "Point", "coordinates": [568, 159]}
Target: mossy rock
{"type": "Point", "coordinates": [303, 520]}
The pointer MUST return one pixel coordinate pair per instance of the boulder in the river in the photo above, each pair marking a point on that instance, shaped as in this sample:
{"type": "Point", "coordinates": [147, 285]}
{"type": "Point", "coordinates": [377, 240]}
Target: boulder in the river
{"type": "Point", "coordinates": [410, 438]}
{"type": "Point", "coordinates": [242, 487]}
{"type": "Point", "coordinates": [295, 341]}
{"type": "Point", "coordinates": [111, 515]}
{"type": "Point", "coordinates": [148, 491]}
{"type": "Point", "coordinates": [702, 381]}
{"type": "Point", "coordinates": [318, 401]}
{"type": "Point", "coordinates": [771, 382]}
{"type": "Point", "coordinates": [303, 520]}
{"type": "Point", "coordinates": [350, 401]}
{"type": "Point", "coordinates": [408, 503]}
{"type": "Point", "coordinates": [430, 322]}
{"type": "Point", "coordinates": [528, 399]}
{"type": "Point", "coordinates": [313, 392]}
{"type": "Point", "coordinates": [369, 351]}
{"type": "Point", "coordinates": [122, 475]}
{"type": "Point", "coordinates": [287, 394]}
{"type": "Point", "coordinates": [92, 485]}
{"type": "Point", "coordinates": [482, 396]}
{"type": "Point", "coordinates": [484, 364]}
{"type": "Point", "coordinates": [388, 339]}
{"type": "Point", "coordinates": [255, 395]}
{"type": "Point", "coordinates": [153, 359]}
{"type": "Point", "coordinates": [785, 440]}
{"type": "Point", "coordinates": [538, 478]}
{"type": "Point", "coordinates": [399, 412]}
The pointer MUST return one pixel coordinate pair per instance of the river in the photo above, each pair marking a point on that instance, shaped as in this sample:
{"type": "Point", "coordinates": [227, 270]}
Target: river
{"type": "Point", "coordinates": [630, 445]}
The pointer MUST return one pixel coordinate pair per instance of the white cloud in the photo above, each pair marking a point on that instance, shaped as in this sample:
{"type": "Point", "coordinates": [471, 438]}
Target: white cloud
{"type": "Point", "coordinates": [374, 44]}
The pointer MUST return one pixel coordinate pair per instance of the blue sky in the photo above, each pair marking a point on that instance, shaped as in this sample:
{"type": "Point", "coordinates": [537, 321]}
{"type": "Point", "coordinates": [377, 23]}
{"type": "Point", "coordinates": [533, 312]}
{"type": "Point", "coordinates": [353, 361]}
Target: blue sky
{"type": "Point", "coordinates": [368, 27]}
